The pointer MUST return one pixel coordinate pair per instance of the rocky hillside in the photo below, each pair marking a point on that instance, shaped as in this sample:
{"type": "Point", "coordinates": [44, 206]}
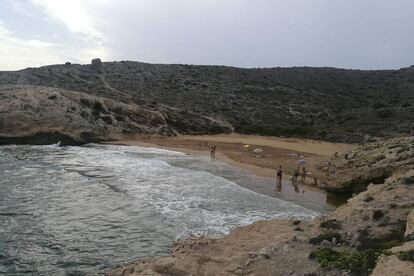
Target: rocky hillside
{"type": "Point", "coordinates": [322, 103]}
{"type": "Point", "coordinates": [43, 115]}
{"type": "Point", "coordinates": [369, 163]}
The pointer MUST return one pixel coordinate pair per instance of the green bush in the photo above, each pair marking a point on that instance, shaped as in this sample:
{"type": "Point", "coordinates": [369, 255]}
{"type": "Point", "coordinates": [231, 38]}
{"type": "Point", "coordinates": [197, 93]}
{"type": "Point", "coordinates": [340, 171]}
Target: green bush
{"type": "Point", "coordinates": [409, 180]}
{"type": "Point", "coordinates": [326, 236]}
{"type": "Point", "coordinates": [359, 262]}
{"type": "Point", "coordinates": [331, 224]}
{"type": "Point", "coordinates": [406, 256]}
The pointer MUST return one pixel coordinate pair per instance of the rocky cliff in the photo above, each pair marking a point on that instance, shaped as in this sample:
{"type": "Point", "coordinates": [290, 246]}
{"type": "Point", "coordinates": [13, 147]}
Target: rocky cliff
{"type": "Point", "coordinates": [369, 163]}
{"type": "Point", "coordinates": [44, 115]}
{"type": "Point", "coordinates": [323, 103]}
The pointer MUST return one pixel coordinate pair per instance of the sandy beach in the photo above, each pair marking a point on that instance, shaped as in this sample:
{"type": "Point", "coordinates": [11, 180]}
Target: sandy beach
{"type": "Point", "coordinates": [238, 150]}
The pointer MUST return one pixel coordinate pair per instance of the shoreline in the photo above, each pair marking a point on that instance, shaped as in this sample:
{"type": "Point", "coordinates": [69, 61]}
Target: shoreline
{"type": "Point", "coordinates": [303, 194]}
{"type": "Point", "coordinates": [230, 144]}
{"type": "Point", "coordinates": [373, 231]}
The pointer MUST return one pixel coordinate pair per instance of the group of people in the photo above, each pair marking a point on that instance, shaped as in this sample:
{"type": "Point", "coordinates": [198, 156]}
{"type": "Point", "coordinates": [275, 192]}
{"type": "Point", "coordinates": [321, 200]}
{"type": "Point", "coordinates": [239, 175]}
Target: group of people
{"type": "Point", "coordinates": [294, 178]}
{"type": "Point", "coordinates": [296, 174]}
{"type": "Point", "coordinates": [279, 173]}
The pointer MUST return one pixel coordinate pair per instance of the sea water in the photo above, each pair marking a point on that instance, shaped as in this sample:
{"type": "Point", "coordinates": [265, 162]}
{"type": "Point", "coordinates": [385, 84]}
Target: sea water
{"type": "Point", "coordinates": [75, 210]}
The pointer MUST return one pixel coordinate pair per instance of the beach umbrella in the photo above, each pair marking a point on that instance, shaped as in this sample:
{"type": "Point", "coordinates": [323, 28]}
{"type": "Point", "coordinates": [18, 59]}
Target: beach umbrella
{"type": "Point", "coordinates": [302, 162]}
{"type": "Point", "coordinates": [257, 151]}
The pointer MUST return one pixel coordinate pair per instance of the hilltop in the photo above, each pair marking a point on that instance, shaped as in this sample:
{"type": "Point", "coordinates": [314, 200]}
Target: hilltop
{"type": "Point", "coordinates": [320, 103]}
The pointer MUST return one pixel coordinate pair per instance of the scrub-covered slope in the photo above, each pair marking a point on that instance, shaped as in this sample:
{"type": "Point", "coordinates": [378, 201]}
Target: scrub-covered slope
{"type": "Point", "coordinates": [323, 103]}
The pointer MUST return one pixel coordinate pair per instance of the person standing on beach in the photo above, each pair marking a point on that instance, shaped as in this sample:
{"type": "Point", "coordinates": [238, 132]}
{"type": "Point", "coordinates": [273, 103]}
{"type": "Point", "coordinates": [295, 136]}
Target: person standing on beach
{"type": "Point", "coordinates": [279, 179]}
{"type": "Point", "coordinates": [295, 186]}
{"type": "Point", "coordinates": [302, 179]}
{"type": "Point", "coordinates": [213, 152]}
{"type": "Point", "coordinates": [295, 174]}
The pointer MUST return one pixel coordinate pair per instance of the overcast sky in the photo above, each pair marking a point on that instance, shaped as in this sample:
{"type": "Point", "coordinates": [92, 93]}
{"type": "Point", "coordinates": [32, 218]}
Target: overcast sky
{"type": "Point", "coordinates": [365, 34]}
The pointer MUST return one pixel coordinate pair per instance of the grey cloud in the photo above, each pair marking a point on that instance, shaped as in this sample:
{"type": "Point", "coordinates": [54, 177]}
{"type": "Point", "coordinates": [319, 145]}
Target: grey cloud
{"type": "Point", "coordinates": [367, 34]}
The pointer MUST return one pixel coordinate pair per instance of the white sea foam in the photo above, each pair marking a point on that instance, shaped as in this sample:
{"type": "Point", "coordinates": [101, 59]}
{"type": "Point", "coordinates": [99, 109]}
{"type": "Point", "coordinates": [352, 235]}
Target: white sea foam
{"type": "Point", "coordinates": [86, 207]}
{"type": "Point", "coordinates": [201, 202]}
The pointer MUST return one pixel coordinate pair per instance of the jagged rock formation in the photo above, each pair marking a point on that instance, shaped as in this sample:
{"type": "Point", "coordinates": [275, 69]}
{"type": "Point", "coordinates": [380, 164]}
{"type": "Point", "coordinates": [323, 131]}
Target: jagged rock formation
{"type": "Point", "coordinates": [370, 163]}
{"type": "Point", "coordinates": [323, 103]}
{"type": "Point", "coordinates": [44, 115]}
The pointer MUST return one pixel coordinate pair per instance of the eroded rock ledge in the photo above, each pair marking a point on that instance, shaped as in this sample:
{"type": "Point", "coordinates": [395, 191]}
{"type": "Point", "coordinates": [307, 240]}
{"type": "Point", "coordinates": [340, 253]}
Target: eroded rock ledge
{"type": "Point", "coordinates": [44, 115]}
{"type": "Point", "coordinates": [369, 163]}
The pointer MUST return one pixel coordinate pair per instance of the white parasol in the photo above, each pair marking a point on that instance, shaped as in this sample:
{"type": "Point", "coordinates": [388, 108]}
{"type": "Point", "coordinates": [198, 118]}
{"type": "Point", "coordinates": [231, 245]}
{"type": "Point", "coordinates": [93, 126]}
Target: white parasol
{"type": "Point", "coordinates": [257, 151]}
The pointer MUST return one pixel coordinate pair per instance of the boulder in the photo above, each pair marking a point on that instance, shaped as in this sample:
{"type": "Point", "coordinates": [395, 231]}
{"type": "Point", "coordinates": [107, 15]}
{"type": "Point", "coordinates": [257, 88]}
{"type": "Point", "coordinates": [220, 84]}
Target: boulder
{"type": "Point", "coordinates": [97, 65]}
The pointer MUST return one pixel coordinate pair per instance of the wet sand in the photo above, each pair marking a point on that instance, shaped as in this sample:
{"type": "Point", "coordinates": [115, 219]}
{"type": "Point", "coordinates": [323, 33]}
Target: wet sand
{"type": "Point", "coordinates": [232, 149]}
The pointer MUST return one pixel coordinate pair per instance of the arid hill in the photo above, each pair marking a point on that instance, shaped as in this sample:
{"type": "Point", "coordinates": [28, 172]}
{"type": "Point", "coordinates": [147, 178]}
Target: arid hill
{"type": "Point", "coordinates": [44, 115]}
{"type": "Point", "coordinates": [322, 103]}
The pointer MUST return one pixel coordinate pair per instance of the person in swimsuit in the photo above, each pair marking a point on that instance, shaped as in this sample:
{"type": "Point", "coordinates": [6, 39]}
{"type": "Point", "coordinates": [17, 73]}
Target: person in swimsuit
{"type": "Point", "coordinates": [213, 152]}
{"type": "Point", "coordinates": [295, 175]}
{"type": "Point", "coordinates": [279, 179]}
{"type": "Point", "coordinates": [302, 179]}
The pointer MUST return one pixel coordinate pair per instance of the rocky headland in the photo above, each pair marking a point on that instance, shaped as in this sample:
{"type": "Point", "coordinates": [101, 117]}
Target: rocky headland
{"type": "Point", "coordinates": [45, 115]}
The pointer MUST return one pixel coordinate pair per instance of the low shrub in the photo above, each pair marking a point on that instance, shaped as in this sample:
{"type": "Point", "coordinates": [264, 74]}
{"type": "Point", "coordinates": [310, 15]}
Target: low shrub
{"type": "Point", "coordinates": [368, 199]}
{"type": "Point", "coordinates": [331, 224]}
{"type": "Point", "coordinates": [377, 214]}
{"type": "Point", "coordinates": [408, 180]}
{"type": "Point", "coordinates": [394, 238]}
{"type": "Point", "coordinates": [359, 262]}
{"type": "Point", "coordinates": [406, 256]}
{"type": "Point", "coordinates": [326, 236]}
